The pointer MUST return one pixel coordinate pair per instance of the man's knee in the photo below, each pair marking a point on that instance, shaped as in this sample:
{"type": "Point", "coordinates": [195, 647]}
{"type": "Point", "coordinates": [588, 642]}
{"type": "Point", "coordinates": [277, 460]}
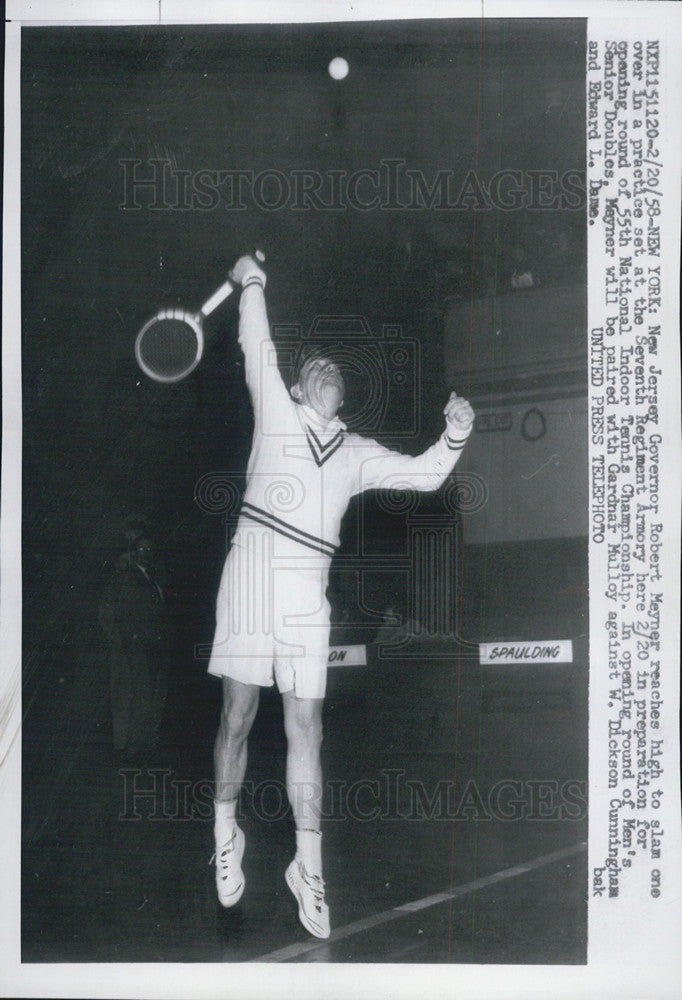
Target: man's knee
{"type": "Point", "coordinates": [303, 721]}
{"type": "Point", "coordinates": [240, 702]}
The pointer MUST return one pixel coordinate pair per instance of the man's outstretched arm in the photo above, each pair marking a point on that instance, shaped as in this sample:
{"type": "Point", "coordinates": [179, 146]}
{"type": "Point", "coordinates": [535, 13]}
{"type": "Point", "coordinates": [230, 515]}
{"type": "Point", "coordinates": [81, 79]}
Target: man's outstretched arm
{"type": "Point", "coordinates": [383, 468]}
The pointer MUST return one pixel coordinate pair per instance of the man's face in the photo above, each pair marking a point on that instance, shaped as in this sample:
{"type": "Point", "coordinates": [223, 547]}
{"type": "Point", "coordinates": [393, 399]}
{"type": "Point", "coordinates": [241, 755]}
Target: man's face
{"type": "Point", "coordinates": [321, 386]}
{"type": "Point", "coordinates": [143, 552]}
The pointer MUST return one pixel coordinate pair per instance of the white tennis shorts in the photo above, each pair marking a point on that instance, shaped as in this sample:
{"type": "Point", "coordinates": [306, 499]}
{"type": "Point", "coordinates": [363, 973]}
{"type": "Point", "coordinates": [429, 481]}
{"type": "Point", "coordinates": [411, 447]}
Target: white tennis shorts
{"type": "Point", "coordinates": [272, 614]}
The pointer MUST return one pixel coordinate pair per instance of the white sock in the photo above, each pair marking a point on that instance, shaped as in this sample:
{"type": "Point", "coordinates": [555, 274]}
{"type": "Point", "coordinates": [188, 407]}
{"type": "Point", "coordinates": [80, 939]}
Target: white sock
{"type": "Point", "coordinates": [309, 850]}
{"type": "Point", "coordinates": [225, 820]}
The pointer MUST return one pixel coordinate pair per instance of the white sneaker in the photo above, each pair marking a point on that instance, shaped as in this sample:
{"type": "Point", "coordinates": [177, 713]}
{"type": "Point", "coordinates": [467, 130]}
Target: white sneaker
{"type": "Point", "coordinates": [229, 876]}
{"type": "Point", "coordinates": [313, 912]}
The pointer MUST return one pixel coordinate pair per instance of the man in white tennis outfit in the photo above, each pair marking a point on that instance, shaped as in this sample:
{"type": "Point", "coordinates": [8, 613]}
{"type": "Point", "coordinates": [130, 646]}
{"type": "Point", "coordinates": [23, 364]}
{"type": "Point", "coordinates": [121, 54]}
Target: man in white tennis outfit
{"type": "Point", "coordinates": [272, 613]}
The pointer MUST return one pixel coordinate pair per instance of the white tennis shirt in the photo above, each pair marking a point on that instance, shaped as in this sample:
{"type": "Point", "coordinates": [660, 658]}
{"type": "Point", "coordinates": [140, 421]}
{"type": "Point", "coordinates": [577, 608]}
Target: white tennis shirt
{"type": "Point", "coordinates": [302, 473]}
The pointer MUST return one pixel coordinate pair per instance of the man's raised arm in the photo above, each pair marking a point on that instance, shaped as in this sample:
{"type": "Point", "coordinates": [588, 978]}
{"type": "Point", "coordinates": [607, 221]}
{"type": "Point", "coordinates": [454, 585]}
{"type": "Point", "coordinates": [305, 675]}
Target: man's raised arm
{"type": "Point", "coordinates": [260, 357]}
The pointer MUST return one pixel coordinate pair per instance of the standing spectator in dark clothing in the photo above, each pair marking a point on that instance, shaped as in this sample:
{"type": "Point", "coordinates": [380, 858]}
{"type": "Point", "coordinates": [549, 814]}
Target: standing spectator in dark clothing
{"type": "Point", "coordinates": [133, 614]}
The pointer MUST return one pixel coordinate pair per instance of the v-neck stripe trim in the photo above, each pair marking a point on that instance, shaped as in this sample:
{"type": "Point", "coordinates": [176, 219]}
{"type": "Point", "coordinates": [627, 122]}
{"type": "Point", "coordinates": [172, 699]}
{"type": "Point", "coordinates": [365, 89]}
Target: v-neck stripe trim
{"type": "Point", "coordinates": [318, 451]}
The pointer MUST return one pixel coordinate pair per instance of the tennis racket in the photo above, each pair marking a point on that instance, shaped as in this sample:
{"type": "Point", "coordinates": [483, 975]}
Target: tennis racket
{"type": "Point", "coordinates": [171, 344]}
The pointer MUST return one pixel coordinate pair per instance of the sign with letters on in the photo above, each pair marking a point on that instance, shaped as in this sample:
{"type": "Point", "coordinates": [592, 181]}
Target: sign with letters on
{"type": "Point", "coordinates": [347, 656]}
{"type": "Point", "coordinates": [526, 651]}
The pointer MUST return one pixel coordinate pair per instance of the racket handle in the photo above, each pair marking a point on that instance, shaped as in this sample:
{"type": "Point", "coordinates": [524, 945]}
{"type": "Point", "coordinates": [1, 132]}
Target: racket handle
{"type": "Point", "coordinates": [219, 296]}
{"type": "Point", "coordinates": [225, 290]}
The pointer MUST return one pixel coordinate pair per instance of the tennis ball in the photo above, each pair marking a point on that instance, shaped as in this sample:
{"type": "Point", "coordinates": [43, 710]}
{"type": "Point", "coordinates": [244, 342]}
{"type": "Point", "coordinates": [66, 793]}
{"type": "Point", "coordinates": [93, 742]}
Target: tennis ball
{"type": "Point", "coordinates": [338, 68]}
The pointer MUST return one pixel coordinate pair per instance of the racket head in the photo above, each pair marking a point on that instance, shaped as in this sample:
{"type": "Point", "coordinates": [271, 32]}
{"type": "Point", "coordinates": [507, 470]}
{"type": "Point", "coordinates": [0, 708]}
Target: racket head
{"type": "Point", "coordinates": [170, 345]}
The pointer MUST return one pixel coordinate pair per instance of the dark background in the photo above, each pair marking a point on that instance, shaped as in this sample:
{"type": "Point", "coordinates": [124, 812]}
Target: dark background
{"type": "Point", "coordinates": [102, 442]}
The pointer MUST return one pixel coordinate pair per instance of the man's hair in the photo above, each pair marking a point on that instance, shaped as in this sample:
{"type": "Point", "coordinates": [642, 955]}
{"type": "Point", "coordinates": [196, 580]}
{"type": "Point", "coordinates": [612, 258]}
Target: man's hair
{"type": "Point", "coordinates": [316, 352]}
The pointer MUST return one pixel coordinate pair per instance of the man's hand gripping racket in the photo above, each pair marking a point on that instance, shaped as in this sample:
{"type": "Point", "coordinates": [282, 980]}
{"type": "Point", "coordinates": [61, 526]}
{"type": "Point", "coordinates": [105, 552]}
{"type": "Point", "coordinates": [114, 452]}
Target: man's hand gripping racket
{"type": "Point", "coordinates": [171, 344]}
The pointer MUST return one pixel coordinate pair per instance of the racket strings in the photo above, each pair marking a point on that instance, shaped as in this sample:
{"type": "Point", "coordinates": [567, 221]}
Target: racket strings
{"type": "Point", "coordinates": [168, 348]}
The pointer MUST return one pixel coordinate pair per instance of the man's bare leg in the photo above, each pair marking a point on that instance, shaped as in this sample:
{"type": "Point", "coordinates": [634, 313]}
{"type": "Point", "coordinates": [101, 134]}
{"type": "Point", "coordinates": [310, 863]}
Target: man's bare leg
{"type": "Point", "coordinates": [303, 728]}
{"type": "Point", "coordinates": [240, 703]}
